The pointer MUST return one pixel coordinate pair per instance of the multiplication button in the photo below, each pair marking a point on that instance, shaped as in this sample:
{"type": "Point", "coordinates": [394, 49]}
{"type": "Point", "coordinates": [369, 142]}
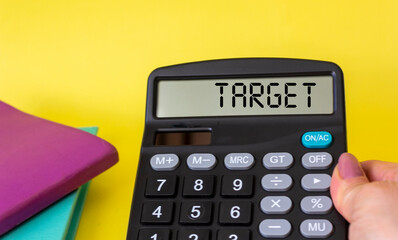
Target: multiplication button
{"type": "Point", "coordinates": [316, 182]}
{"type": "Point", "coordinates": [275, 228]}
{"type": "Point", "coordinates": [316, 204]}
{"type": "Point", "coordinates": [276, 182]}
{"type": "Point", "coordinates": [316, 228]}
{"type": "Point", "coordinates": [201, 161]}
{"type": "Point", "coordinates": [276, 205]}
{"type": "Point", "coordinates": [278, 161]}
{"type": "Point", "coordinates": [239, 161]}
{"type": "Point", "coordinates": [317, 160]}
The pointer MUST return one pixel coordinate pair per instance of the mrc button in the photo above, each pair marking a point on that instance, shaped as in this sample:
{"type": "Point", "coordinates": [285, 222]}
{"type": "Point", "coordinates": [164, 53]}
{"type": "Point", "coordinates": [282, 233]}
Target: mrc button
{"type": "Point", "coordinates": [321, 139]}
{"type": "Point", "coordinates": [239, 161]}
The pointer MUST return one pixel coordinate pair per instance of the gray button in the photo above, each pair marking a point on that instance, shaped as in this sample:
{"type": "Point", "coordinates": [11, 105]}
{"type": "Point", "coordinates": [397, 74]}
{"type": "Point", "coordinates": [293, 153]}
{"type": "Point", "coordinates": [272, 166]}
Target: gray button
{"type": "Point", "coordinates": [239, 161]}
{"type": "Point", "coordinates": [201, 161]}
{"type": "Point", "coordinates": [316, 204]}
{"type": "Point", "coordinates": [275, 228]}
{"type": "Point", "coordinates": [316, 228]}
{"type": "Point", "coordinates": [316, 182]}
{"type": "Point", "coordinates": [276, 182]}
{"type": "Point", "coordinates": [276, 205]}
{"type": "Point", "coordinates": [278, 161]}
{"type": "Point", "coordinates": [164, 162]}
{"type": "Point", "coordinates": [317, 160]}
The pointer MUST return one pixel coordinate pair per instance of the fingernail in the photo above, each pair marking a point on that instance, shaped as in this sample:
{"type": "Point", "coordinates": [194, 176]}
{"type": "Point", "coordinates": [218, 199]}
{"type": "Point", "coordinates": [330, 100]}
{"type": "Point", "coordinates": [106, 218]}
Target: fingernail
{"type": "Point", "coordinates": [349, 166]}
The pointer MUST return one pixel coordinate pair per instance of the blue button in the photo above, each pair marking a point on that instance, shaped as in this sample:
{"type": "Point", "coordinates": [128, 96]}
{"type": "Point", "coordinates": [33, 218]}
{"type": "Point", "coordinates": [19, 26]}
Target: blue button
{"type": "Point", "coordinates": [320, 139]}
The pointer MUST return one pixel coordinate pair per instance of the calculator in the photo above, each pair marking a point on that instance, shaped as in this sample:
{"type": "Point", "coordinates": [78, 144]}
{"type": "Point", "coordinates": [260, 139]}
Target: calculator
{"type": "Point", "coordinates": [240, 149]}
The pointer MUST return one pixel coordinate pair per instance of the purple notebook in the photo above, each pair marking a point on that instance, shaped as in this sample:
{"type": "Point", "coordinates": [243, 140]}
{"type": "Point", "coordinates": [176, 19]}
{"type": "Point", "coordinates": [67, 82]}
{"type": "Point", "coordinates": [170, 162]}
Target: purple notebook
{"type": "Point", "coordinates": [42, 161]}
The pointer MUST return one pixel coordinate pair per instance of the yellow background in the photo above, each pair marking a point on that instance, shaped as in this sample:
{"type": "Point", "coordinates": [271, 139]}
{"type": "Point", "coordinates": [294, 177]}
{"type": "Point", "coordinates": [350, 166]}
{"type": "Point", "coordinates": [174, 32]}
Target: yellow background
{"type": "Point", "coordinates": [83, 63]}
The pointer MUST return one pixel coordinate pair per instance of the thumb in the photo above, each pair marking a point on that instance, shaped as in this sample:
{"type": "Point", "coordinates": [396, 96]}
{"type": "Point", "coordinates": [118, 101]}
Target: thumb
{"type": "Point", "coordinates": [347, 180]}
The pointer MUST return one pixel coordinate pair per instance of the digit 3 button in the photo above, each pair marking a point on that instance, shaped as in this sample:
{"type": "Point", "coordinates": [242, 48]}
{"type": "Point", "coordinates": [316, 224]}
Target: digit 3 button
{"type": "Point", "coordinates": [233, 234]}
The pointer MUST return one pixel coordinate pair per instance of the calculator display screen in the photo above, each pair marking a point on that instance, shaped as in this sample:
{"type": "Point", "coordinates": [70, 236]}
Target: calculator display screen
{"type": "Point", "coordinates": [244, 97]}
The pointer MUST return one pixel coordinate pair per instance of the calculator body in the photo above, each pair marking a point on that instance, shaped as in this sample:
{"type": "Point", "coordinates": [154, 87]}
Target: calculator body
{"type": "Point", "coordinates": [225, 212]}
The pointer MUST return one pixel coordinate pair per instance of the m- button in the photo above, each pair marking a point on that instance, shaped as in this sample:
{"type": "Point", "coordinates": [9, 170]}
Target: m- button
{"type": "Point", "coordinates": [201, 161]}
{"type": "Point", "coordinates": [239, 161]}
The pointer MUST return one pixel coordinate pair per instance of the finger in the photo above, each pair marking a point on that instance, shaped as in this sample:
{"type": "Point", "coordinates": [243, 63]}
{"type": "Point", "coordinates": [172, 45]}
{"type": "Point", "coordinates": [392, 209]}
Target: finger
{"type": "Point", "coordinates": [347, 179]}
{"type": "Point", "coordinates": [380, 171]}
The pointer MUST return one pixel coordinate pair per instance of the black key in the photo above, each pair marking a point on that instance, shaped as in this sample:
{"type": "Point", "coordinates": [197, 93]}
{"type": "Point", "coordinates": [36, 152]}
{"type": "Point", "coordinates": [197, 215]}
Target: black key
{"type": "Point", "coordinates": [236, 212]}
{"type": "Point", "coordinates": [194, 234]}
{"type": "Point", "coordinates": [198, 186]}
{"type": "Point", "coordinates": [237, 185]}
{"type": "Point", "coordinates": [161, 186]}
{"type": "Point", "coordinates": [154, 234]}
{"type": "Point", "coordinates": [233, 234]}
{"type": "Point", "coordinates": [157, 212]}
{"type": "Point", "coordinates": [196, 213]}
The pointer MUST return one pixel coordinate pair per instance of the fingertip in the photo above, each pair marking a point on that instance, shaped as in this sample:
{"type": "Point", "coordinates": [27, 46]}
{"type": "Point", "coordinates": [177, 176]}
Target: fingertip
{"type": "Point", "coordinates": [349, 167]}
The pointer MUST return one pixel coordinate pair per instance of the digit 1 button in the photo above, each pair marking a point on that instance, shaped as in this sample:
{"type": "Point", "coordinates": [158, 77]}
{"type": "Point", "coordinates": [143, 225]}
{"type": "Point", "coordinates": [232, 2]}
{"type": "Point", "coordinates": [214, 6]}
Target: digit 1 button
{"type": "Point", "coordinates": [196, 213]}
{"type": "Point", "coordinates": [236, 212]}
{"type": "Point", "coordinates": [233, 185]}
{"type": "Point", "coordinates": [154, 234]}
{"type": "Point", "coordinates": [194, 234]}
{"type": "Point", "coordinates": [161, 186]}
{"type": "Point", "coordinates": [233, 234]}
{"type": "Point", "coordinates": [157, 212]}
{"type": "Point", "coordinates": [198, 185]}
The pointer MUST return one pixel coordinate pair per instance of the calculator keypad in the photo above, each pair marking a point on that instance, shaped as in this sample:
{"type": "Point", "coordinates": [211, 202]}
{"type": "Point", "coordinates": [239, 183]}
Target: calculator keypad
{"type": "Point", "coordinates": [198, 212]}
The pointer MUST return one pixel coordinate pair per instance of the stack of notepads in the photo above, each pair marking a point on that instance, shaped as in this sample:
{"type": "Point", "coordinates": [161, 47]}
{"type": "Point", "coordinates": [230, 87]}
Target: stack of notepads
{"type": "Point", "coordinates": [42, 165]}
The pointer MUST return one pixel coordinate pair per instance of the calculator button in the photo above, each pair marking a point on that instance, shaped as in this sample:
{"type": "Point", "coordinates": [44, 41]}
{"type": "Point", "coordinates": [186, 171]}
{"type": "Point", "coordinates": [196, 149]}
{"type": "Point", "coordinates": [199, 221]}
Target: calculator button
{"type": "Point", "coordinates": [196, 213]}
{"type": "Point", "coordinates": [320, 139]}
{"type": "Point", "coordinates": [157, 212]}
{"type": "Point", "coordinates": [198, 185]}
{"type": "Point", "coordinates": [276, 205]}
{"type": "Point", "coordinates": [278, 161]}
{"type": "Point", "coordinates": [150, 234]}
{"type": "Point", "coordinates": [164, 162]}
{"type": "Point", "coordinates": [276, 182]}
{"type": "Point", "coordinates": [233, 186]}
{"type": "Point", "coordinates": [233, 234]}
{"type": "Point", "coordinates": [316, 204]}
{"type": "Point", "coordinates": [317, 160]}
{"type": "Point", "coordinates": [316, 182]}
{"type": "Point", "coordinates": [236, 212]}
{"type": "Point", "coordinates": [316, 228]}
{"type": "Point", "coordinates": [239, 161]}
{"type": "Point", "coordinates": [275, 228]}
{"type": "Point", "coordinates": [194, 234]}
{"type": "Point", "coordinates": [201, 161]}
{"type": "Point", "coordinates": [161, 186]}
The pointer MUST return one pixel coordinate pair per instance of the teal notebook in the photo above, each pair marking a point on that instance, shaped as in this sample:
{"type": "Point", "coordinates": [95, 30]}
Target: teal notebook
{"type": "Point", "coordinates": [57, 222]}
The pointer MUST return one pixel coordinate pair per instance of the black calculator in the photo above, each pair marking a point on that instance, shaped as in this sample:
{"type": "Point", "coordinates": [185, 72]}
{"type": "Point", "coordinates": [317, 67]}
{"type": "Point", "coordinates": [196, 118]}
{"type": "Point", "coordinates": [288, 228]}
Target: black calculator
{"type": "Point", "coordinates": [240, 149]}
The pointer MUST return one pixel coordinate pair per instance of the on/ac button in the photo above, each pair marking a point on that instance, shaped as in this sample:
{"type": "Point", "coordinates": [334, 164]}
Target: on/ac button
{"type": "Point", "coordinates": [321, 139]}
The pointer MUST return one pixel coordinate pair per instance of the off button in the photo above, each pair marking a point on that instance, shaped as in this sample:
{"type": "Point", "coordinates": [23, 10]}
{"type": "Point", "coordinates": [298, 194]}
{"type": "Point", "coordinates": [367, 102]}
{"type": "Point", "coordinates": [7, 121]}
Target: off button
{"type": "Point", "coordinates": [320, 139]}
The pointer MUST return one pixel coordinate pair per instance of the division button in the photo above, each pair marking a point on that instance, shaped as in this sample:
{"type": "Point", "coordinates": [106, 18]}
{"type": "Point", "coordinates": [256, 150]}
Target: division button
{"type": "Point", "coordinates": [164, 162]}
{"type": "Point", "coordinates": [201, 161]}
{"type": "Point", "coordinates": [276, 182]}
{"type": "Point", "coordinates": [239, 161]}
{"type": "Point", "coordinates": [316, 182]}
{"type": "Point", "coordinates": [317, 160]}
{"type": "Point", "coordinates": [276, 205]}
{"type": "Point", "coordinates": [278, 161]}
{"type": "Point", "coordinates": [316, 228]}
{"type": "Point", "coordinates": [316, 204]}
{"type": "Point", "coordinates": [275, 228]}
{"type": "Point", "coordinates": [320, 139]}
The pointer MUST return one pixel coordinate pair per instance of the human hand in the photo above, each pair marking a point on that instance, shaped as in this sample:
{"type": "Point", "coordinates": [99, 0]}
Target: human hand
{"type": "Point", "coordinates": [366, 194]}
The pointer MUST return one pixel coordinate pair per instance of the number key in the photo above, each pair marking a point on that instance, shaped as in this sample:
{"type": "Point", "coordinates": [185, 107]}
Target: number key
{"type": "Point", "coordinates": [233, 185]}
{"type": "Point", "coordinates": [233, 234]}
{"type": "Point", "coordinates": [236, 212]}
{"type": "Point", "coordinates": [194, 234]}
{"type": "Point", "coordinates": [161, 186]}
{"type": "Point", "coordinates": [157, 212]}
{"type": "Point", "coordinates": [196, 185]}
{"type": "Point", "coordinates": [154, 234]}
{"type": "Point", "coordinates": [196, 213]}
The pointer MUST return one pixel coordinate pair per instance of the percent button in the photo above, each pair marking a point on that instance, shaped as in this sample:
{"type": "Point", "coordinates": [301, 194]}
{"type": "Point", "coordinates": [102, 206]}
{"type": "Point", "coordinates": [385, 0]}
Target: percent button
{"type": "Point", "coordinates": [316, 204]}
